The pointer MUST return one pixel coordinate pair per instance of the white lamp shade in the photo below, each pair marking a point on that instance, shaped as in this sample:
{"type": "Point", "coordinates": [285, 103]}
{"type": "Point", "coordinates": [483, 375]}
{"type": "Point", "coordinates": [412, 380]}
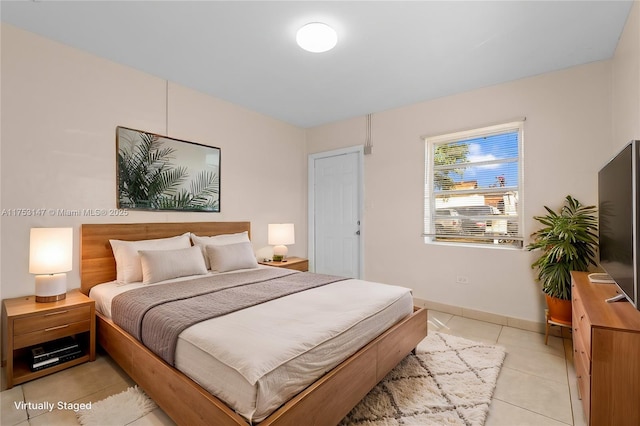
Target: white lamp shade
{"type": "Point", "coordinates": [281, 234]}
{"type": "Point", "coordinates": [50, 250]}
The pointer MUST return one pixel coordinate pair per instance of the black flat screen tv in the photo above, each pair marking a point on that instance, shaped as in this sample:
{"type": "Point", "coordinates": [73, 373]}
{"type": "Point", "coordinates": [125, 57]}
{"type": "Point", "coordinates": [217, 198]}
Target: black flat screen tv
{"type": "Point", "coordinates": [618, 187]}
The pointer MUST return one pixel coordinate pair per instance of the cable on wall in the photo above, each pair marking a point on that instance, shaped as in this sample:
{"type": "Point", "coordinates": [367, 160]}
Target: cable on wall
{"type": "Point", "coordinates": [368, 145]}
{"type": "Point", "coordinates": [166, 108]}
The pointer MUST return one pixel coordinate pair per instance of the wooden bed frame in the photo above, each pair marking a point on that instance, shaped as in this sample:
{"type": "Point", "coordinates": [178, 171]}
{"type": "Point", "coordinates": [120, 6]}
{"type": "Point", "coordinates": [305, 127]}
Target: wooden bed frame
{"type": "Point", "coordinates": [325, 402]}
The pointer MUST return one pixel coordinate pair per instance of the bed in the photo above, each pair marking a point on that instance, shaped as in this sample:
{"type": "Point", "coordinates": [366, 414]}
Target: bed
{"type": "Point", "coordinates": [323, 402]}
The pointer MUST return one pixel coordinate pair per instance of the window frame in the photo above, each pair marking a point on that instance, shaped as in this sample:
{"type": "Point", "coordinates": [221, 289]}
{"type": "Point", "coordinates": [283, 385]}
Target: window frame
{"type": "Point", "coordinates": [429, 215]}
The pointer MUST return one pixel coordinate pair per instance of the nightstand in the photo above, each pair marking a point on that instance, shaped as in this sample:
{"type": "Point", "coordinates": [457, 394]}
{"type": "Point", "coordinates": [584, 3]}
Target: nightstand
{"type": "Point", "coordinates": [296, 263]}
{"type": "Point", "coordinates": [26, 323]}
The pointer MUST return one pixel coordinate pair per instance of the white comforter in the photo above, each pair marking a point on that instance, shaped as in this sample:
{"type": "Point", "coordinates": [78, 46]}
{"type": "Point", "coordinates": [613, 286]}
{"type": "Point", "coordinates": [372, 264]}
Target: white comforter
{"type": "Point", "coordinates": [258, 358]}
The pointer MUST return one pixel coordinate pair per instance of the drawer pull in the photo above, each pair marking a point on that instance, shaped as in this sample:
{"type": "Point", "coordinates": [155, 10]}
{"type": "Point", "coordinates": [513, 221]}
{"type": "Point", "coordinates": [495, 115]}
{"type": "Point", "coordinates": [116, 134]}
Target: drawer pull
{"type": "Point", "coordinates": [56, 328]}
{"type": "Point", "coordinates": [579, 378]}
{"type": "Point", "coordinates": [55, 313]}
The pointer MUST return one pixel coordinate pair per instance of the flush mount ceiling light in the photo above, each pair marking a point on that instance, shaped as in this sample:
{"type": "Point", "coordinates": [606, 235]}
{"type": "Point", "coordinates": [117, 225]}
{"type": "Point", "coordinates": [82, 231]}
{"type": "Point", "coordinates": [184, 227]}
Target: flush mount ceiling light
{"type": "Point", "coordinates": [316, 37]}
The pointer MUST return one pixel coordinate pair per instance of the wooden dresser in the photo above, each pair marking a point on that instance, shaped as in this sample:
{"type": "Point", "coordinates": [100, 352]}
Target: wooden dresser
{"type": "Point", "coordinates": [606, 353]}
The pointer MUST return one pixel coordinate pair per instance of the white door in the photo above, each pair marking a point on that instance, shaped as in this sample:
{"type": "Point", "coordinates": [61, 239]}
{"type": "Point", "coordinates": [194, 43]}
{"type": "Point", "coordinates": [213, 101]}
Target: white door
{"type": "Point", "coordinates": [335, 204]}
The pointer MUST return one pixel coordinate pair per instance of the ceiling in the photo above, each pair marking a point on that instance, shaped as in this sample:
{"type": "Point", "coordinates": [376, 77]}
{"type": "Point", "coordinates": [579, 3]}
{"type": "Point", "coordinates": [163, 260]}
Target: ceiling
{"type": "Point", "coordinates": [389, 53]}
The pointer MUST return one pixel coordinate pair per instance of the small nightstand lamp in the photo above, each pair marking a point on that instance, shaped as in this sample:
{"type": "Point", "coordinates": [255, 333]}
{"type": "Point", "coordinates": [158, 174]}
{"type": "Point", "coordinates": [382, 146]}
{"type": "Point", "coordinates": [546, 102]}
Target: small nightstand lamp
{"type": "Point", "coordinates": [281, 234]}
{"type": "Point", "coordinates": [50, 256]}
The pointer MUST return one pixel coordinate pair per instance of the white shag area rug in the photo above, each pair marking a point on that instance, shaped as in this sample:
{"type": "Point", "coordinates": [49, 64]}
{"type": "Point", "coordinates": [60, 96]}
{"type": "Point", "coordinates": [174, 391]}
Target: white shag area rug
{"type": "Point", "coordinates": [449, 381]}
{"type": "Point", "coordinates": [117, 410]}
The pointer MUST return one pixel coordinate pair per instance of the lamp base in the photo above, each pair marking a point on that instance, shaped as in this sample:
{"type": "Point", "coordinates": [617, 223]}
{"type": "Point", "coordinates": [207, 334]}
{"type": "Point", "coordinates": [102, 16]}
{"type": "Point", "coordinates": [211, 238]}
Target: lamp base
{"type": "Point", "coordinates": [280, 253]}
{"type": "Point", "coordinates": [49, 299]}
{"type": "Point", "coordinates": [51, 288]}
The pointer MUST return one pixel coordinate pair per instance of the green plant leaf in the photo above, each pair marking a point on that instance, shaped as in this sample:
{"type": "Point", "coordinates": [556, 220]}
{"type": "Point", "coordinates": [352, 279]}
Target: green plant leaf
{"type": "Point", "coordinates": [568, 241]}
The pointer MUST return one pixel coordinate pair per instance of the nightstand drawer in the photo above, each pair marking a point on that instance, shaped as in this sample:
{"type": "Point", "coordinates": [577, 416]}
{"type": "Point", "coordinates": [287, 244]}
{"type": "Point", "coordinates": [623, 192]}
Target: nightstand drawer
{"type": "Point", "coordinates": [50, 319]}
{"type": "Point", "coordinates": [295, 263]}
{"type": "Point", "coordinates": [51, 333]}
{"type": "Point", "coordinates": [302, 266]}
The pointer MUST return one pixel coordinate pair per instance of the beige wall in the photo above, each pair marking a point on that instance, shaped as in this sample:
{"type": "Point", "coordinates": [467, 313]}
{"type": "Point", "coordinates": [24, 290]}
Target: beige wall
{"type": "Point", "coordinates": [626, 83]}
{"type": "Point", "coordinates": [60, 108]}
{"type": "Point", "coordinates": [566, 139]}
{"type": "Point", "coordinates": [576, 120]}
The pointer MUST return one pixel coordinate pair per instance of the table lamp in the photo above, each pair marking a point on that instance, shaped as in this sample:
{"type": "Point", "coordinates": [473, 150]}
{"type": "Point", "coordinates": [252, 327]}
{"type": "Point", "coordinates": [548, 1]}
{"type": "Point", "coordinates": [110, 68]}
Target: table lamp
{"type": "Point", "coordinates": [281, 234]}
{"type": "Point", "coordinates": [50, 257]}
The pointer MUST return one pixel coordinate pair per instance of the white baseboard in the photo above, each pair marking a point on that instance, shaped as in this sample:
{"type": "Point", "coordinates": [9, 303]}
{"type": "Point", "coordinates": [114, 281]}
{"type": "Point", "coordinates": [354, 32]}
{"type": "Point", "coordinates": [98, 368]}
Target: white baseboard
{"type": "Point", "coordinates": [520, 323]}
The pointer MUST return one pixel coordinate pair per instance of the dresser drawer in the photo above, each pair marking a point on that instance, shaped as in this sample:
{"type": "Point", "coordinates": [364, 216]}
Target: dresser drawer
{"type": "Point", "coordinates": [581, 326]}
{"type": "Point", "coordinates": [584, 391]}
{"type": "Point", "coordinates": [51, 333]}
{"type": "Point", "coordinates": [581, 358]}
{"type": "Point", "coordinates": [50, 319]}
{"type": "Point", "coordinates": [583, 377]}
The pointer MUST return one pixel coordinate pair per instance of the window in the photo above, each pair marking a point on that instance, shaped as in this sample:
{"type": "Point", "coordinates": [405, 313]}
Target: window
{"type": "Point", "coordinates": [473, 187]}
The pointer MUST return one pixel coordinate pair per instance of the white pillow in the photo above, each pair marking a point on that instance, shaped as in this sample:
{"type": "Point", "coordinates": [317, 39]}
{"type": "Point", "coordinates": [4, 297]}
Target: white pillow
{"type": "Point", "coordinates": [128, 267]}
{"type": "Point", "coordinates": [230, 257]}
{"type": "Point", "coordinates": [160, 265]}
{"type": "Point", "coordinates": [218, 240]}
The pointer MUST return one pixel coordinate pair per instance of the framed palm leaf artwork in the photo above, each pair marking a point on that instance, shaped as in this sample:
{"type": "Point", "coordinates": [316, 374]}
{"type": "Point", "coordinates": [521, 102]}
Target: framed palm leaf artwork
{"type": "Point", "coordinates": [161, 173]}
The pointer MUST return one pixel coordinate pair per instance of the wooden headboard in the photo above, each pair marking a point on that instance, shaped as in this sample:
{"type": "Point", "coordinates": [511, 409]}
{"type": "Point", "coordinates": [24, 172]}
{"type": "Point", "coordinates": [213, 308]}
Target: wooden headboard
{"type": "Point", "coordinates": [97, 264]}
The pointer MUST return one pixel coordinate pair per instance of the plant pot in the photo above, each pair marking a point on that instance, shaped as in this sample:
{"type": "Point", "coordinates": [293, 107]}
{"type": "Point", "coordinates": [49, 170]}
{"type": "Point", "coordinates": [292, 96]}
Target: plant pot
{"type": "Point", "coordinates": [559, 310]}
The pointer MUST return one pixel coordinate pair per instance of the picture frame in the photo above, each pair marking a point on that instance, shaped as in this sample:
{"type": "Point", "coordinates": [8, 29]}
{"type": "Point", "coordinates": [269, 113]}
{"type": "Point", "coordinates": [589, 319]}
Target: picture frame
{"type": "Point", "coordinates": [160, 173]}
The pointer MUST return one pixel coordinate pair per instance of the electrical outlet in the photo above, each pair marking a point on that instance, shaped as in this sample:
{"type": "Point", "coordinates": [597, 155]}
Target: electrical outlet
{"type": "Point", "coordinates": [462, 279]}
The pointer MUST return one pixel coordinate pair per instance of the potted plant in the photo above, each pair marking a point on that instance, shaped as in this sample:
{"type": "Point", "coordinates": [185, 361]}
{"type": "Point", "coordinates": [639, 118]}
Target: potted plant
{"type": "Point", "coordinates": [568, 241]}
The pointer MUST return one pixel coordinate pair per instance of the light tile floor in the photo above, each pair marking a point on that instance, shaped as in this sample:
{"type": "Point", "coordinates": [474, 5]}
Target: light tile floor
{"type": "Point", "coordinates": [536, 385]}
